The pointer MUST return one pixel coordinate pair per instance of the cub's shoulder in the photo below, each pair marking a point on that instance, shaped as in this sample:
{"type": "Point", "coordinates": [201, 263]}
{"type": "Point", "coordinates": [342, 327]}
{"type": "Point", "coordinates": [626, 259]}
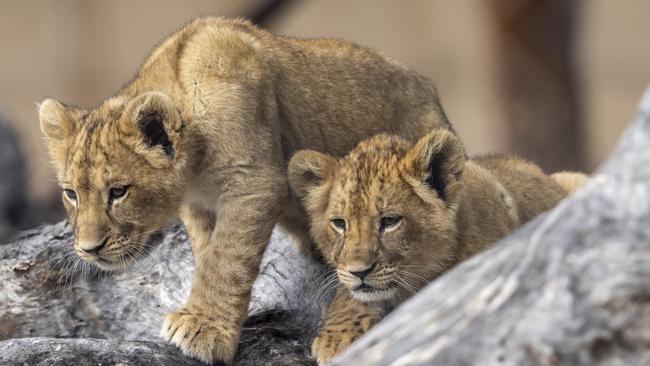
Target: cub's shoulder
{"type": "Point", "coordinates": [504, 163]}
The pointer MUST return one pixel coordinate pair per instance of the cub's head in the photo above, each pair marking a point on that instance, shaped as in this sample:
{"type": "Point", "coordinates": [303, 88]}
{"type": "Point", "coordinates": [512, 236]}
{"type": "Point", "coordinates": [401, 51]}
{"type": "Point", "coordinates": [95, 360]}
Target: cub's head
{"type": "Point", "coordinates": [120, 168]}
{"type": "Point", "coordinates": [384, 216]}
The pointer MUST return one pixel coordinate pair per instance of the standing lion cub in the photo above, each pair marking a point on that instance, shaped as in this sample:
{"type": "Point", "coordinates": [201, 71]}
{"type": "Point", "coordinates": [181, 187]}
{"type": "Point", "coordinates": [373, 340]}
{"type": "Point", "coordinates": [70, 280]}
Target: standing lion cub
{"type": "Point", "coordinates": [392, 216]}
{"type": "Point", "coordinates": [204, 131]}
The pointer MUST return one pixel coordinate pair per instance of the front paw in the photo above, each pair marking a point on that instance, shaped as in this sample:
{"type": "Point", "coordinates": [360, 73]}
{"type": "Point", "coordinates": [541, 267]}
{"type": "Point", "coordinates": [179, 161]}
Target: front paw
{"type": "Point", "coordinates": [200, 335]}
{"type": "Point", "coordinates": [328, 345]}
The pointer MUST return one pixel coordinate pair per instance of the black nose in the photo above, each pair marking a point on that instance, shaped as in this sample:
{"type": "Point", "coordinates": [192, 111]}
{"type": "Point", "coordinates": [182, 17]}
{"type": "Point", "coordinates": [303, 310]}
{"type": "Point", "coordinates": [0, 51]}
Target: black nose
{"type": "Point", "coordinates": [362, 274]}
{"type": "Point", "coordinates": [97, 248]}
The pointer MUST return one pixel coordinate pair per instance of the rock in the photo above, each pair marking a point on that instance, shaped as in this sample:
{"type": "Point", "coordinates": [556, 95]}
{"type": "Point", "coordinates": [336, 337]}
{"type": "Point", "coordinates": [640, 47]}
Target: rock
{"type": "Point", "coordinates": [570, 288]}
{"type": "Point", "coordinates": [47, 292]}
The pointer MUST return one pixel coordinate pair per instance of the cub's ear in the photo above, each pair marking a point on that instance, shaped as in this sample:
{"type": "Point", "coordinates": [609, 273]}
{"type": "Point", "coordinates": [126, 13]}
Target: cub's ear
{"type": "Point", "coordinates": [309, 170]}
{"type": "Point", "coordinates": [57, 125]}
{"type": "Point", "coordinates": [435, 165]}
{"type": "Point", "coordinates": [154, 117]}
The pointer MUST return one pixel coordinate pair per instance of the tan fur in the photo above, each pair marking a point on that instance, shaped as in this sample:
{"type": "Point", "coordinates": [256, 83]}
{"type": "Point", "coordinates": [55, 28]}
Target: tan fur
{"type": "Point", "coordinates": [570, 181]}
{"type": "Point", "coordinates": [204, 131]}
{"type": "Point", "coordinates": [450, 209]}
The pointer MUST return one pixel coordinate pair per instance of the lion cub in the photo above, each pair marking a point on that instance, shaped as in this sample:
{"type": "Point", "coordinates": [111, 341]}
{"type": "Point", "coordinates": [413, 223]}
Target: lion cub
{"type": "Point", "coordinates": [204, 132]}
{"type": "Point", "coordinates": [390, 217]}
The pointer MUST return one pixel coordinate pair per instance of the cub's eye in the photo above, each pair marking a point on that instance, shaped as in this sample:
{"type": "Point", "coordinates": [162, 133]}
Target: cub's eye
{"type": "Point", "coordinates": [389, 222]}
{"type": "Point", "coordinates": [338, 224]}
{"type": "Point", "coordinates": [117, 192]}
{"type": "Point", "coordinates": [72, 195]}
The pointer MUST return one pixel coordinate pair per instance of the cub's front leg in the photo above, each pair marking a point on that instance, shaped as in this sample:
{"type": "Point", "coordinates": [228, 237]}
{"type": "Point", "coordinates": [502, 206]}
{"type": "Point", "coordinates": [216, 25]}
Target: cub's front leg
{"type": "Point", "coordinates": [227, 261]}
{"type": "Point", "coordinates": [346, 320]}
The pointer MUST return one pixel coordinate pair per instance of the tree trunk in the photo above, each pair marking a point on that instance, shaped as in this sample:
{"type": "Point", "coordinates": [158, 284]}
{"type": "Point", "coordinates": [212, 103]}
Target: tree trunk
{"type": "Point", "coordinates": [536, 82]}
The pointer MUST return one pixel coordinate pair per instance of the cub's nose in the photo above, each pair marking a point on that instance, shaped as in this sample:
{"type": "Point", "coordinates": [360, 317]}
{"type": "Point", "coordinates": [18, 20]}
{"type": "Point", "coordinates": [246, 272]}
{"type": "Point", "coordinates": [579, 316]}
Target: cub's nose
{"type": "Point", "coordinates": [361, 274]}
{"type": "Point", "coordinates": [93, 248]}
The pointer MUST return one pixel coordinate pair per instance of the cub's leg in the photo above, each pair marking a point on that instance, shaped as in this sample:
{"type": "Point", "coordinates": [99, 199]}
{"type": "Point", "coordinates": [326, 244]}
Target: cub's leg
{"type": "Point", "coordinates": [233, 103]}
{"type": "Point", "coordinates": [199, 222]}
{"type": "Point", "coordinates": [227, 261]}
{"type": "Point", "coordinates": [346, 320]}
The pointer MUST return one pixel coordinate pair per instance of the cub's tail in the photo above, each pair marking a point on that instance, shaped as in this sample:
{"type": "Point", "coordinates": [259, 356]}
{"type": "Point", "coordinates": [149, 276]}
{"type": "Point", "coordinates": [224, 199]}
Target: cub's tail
{"type": "Point", "coordinates": [570, 181]}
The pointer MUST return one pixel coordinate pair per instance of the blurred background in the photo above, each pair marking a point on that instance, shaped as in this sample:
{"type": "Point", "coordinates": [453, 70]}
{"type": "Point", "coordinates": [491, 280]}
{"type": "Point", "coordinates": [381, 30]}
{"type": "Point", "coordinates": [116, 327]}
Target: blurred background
{"type": "Point", "coordinates": [553, 80]}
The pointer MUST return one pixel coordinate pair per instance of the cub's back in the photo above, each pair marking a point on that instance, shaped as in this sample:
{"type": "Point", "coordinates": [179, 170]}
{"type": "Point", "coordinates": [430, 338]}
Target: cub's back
{"type": "Point", "coordinates": [534, 191]}
{"type": "Point", "coordinates": [346, 93]}
{"type": "Point", "coordinates": [327, 94]}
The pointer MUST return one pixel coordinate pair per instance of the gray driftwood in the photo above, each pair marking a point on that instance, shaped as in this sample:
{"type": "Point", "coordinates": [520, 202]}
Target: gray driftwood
{"type": "Point", "coordinates": [571, 288]}
{"type": "Point", "coordinates": [116, 318]}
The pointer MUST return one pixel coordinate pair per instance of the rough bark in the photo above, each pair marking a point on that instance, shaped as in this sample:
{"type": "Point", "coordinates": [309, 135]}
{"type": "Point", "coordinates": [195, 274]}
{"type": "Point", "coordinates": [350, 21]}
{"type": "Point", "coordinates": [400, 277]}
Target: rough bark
{"type": "Point", "coordinates": [47, 292]}
{"type": "Point", "coordinates": [87, 351]}
{"type": "Point", "coordinates": [570, 288]}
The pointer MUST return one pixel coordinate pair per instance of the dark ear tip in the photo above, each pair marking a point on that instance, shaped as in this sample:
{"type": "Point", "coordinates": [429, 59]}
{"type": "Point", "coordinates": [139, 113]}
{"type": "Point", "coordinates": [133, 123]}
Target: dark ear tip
{"type": "Point", "coordinates": [445, 160]}
{"type": "Point", "coordinates": [447, 143]}
{"type": "Point", "coordinates": [444, 138]}
{"type": "Point", "coordinates": [152, 126]}
{"type": "Point", "coordinates": [155, 102]}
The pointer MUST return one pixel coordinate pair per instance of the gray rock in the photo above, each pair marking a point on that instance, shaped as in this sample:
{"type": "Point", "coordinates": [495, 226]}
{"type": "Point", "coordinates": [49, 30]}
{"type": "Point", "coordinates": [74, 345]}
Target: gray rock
{"type": "Point", "coordinates": [571, 288]}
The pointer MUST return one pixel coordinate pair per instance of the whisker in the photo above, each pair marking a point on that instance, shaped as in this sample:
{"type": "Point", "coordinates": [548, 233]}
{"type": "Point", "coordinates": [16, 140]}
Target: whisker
{"type": "Point", "coordinates": [327, 272]}
{"type": "Point", "coordinates": [330, 283]}
{"type": "Point", "coordinates": [68, 264]}
{"type": "Point", "coordinates": [407, 285]}
{"type": "Point", "coordinates": [415, 276]}
{"type": "Point", "coordinates": [57, 260]}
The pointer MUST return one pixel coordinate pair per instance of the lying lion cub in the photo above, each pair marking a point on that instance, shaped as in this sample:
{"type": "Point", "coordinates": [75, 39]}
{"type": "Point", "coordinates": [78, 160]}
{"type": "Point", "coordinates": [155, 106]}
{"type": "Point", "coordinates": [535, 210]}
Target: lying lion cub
{"type": "Point", "coordinates": [391, 217]}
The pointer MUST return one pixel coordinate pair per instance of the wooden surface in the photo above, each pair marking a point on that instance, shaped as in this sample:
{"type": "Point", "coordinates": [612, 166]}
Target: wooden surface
{"type": "Point", "coordinates": [47, 294]}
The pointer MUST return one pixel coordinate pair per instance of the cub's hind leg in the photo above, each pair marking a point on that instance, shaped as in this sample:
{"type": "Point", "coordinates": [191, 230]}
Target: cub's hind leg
{"type": "Point", "coordinates": [570, 181]}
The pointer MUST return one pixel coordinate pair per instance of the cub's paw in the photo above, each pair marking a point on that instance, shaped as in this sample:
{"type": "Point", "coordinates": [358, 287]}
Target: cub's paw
{"type": "Point", "coordinates": [329, 345]}
{"type": "Point", "coordinates": [200, 335]}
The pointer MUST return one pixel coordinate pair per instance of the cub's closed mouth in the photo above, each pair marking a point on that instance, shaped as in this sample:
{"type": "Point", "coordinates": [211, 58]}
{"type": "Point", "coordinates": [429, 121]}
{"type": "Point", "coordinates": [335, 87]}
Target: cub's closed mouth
{"type": "Point", "coordinates": [365, 288]}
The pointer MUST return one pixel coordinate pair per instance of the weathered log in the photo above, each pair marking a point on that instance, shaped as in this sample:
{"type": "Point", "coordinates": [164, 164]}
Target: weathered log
{"type": "Point", "coordinates": [570, 288]}
{"type": "Point", "coordinates": [48, 292]}
{"type": "Point", "coordinates": [88, 351]}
